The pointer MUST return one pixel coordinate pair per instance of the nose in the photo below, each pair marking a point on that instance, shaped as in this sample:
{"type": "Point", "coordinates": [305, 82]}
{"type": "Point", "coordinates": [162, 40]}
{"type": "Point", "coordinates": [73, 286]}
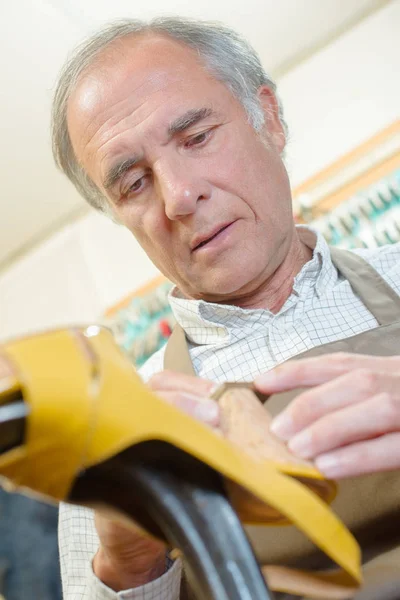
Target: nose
{"type": "Point", "coordinates": [181, 189]}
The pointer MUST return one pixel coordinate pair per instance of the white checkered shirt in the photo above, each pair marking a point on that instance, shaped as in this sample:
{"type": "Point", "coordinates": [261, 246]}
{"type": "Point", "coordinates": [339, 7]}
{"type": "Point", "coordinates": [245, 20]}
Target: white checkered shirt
{"type": "Point", "coordinates": [230, 343]}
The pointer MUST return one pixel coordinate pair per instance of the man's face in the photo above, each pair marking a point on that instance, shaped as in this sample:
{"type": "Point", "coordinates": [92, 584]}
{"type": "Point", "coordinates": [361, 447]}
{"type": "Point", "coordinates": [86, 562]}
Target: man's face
{"type": "Point", "coordinates": [206, 196]}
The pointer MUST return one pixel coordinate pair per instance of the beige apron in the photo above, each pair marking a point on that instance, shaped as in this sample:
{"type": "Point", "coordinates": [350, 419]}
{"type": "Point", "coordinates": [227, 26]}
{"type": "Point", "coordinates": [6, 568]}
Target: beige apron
{"type": "Point", "coordinates": [368, 505]}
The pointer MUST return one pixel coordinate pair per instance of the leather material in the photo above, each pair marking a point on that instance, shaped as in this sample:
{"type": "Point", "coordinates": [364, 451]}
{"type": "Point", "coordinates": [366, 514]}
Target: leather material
{"type": "Point", "coordinates": [79, 421]}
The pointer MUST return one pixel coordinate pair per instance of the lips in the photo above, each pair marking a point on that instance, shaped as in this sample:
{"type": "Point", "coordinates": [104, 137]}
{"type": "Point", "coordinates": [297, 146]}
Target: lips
{"type": "Point", "coordinates": [201, 240]}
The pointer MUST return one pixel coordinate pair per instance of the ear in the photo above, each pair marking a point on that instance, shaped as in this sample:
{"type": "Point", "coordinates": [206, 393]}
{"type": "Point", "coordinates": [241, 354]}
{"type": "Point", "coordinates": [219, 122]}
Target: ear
{"type": "Point", "coordinates": [273, 127]}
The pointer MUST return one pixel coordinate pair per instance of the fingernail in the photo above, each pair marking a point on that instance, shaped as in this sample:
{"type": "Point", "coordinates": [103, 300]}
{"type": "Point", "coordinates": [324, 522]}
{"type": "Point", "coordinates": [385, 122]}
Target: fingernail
{"type": "Point", "coordinates": [282, 426]}
{"type": "Point", "coordinates": [301, 445]}
{"type": "Point", "coordinates": [329, 465]}
{"type": "Point", "coordinates": [207, 411]}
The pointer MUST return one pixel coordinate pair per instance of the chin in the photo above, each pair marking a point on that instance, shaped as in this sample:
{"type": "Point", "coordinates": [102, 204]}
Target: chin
{"type": "Point", "coordinates": [225, 286]}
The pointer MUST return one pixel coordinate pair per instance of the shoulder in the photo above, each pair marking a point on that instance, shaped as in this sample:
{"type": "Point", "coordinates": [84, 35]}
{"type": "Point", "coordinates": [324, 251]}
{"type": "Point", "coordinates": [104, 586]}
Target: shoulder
{"type": "Point", "coordinates": [153, 365]}
{"type": "Point", "coordinates": [382, 259]}
{"type": "Point", "coordinates": [388, 255]}
{"type": "Point", "coordinates": [386, 261]}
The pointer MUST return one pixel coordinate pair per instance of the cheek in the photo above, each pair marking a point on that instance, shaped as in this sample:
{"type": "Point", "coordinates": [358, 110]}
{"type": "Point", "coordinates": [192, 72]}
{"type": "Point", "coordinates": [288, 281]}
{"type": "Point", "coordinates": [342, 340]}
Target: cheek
{"type": "Point", "coordinates": [136, 222]}
{"type": "Point", "coordinates": [229, 172]}
{"type": "Point", "coordinates": [267, 179]}
{"type": "Point", "coordinates": [244, 163]}
{"type": "Point", "coordinates": [151, 229]}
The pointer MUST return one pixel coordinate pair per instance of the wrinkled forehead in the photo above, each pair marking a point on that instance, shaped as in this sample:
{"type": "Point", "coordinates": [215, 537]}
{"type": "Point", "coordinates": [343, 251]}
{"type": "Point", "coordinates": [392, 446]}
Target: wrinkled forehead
{"type": "Point", "coordinates": [138, 67]}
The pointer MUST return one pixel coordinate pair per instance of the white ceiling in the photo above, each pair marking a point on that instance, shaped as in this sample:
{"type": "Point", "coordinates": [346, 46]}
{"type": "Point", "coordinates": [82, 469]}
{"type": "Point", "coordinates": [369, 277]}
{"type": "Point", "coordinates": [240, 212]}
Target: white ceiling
{"type": "Point", "coordinates": [35, 38]}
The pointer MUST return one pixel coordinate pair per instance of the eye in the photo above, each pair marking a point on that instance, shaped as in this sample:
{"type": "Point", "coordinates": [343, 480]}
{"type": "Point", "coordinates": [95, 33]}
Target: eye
{"type": "Point", "coordinates": [198, 140]}
{"type": "Point", "coordinates": [137, 186]}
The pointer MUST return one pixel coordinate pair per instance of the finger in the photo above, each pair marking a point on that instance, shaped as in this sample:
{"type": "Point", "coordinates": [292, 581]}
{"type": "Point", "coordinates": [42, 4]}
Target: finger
{"type": "Point", "coordinates": [370, 456]}
{"type": "Point", "coordinates": [374, 417]}
{"type": "Point", "coordinates": [169, 381]}
{"type": "Point", "coordinates": [6, 370]}
{"type": "Point", "coordinates": [201, 409]}
{"type": "Point", "coordinates": [309, 372]}
{"type": "Point", "coordinates": [124, 541]}
{"type": "Point", "coordinates": [7, 374]}
{"type": "Point", "coordinates": [345, 390]}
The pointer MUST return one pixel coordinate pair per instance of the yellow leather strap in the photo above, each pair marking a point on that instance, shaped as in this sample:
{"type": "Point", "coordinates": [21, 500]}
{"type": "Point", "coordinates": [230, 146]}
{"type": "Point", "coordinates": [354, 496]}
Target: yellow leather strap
{"type": "Point", "coordinates": [87, 404]}
{"type": "Point", "coordinates": [327, 585]}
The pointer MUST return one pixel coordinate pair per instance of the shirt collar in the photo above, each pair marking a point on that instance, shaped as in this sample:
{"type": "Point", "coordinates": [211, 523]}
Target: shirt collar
{"type": "Point", "coordinates": [319, 272]}
{"type": "Point", "coordinates": [207, 323]}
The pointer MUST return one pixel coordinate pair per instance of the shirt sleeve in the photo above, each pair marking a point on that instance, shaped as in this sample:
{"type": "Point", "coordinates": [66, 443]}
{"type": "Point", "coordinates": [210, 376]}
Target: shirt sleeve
{"type": "Point", "coordinates": [78, 541]}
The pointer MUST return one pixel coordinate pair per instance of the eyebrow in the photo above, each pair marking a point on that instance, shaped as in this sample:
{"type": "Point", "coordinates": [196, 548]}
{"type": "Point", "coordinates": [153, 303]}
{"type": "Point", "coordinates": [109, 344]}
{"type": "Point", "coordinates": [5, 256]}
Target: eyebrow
{"type": "Point", "coordinates": [190, 118]}
{"type": "Point", "coordinates": [179, 125]}
{"type": "Point", "coordinates": [118, 170]}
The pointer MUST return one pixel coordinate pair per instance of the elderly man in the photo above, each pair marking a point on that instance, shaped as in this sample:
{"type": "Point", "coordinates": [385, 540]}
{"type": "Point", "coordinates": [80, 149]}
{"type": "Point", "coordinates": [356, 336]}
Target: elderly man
{"type": "Point", "coordinates": [174, 130]}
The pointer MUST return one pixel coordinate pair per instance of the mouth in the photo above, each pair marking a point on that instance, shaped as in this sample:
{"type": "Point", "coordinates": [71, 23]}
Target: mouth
{"type": "Point", "coordinates": [206, 240]}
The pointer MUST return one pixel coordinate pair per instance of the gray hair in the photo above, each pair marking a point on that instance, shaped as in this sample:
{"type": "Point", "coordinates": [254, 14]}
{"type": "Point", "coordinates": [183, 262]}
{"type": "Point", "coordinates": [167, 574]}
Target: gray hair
{"type": "Point", "coordinates": [228, 57]}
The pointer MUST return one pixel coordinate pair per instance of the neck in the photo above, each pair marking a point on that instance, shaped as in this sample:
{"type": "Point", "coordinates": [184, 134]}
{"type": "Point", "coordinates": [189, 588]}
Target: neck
{"type": "Point", "coordinates": [274, 291]}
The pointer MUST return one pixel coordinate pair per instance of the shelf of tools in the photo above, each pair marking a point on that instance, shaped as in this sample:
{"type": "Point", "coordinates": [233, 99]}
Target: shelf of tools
{"type": "Point", "coordinates": [142, 323]}
{"type": "Point", "coordinates": [367, 220]}
{"type": "Point", "coordinates": [355, 203]}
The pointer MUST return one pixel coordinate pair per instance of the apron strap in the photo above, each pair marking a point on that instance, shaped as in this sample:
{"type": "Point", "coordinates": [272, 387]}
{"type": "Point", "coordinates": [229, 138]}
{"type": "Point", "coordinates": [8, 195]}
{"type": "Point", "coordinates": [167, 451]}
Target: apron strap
{"type": "Point", "coordinates": [377, 295]}
{"type": "Point", "coordinates": [177, 356]}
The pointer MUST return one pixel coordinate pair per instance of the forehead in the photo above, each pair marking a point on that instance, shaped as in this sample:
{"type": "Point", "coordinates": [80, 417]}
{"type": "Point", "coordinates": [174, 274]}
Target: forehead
{"type": "Point", "coordinates": [134, 73]}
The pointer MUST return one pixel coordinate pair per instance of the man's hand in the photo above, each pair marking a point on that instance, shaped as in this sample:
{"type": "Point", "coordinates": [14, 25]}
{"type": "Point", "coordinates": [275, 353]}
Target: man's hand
{"type": "Point", "coordinates": [6, 368]}
{"type": "Point", "coordinates": [188, 393]}
{"type": "Point", "coordinates": [127, 558]}
{"type": "Point", "coordinates": [349, 419]}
